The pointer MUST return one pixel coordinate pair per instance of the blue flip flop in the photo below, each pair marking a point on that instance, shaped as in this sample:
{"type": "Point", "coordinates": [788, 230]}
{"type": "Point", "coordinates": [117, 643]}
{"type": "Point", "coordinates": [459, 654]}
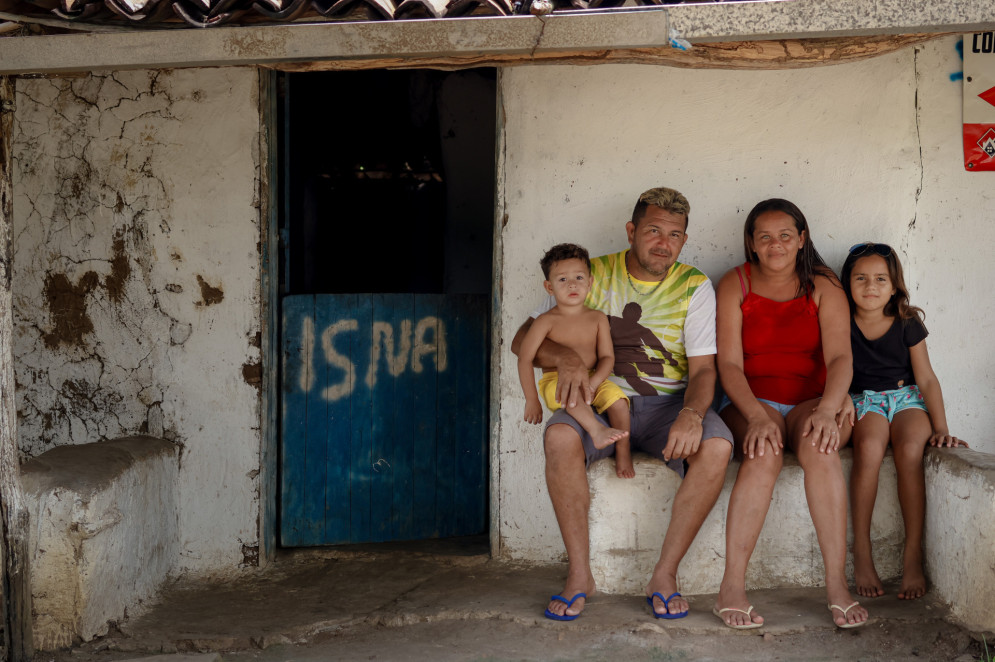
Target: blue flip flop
{"type": "Point", "coordinates": [666, 604]}
{"type": "Point", "coordinates": [568, 603]}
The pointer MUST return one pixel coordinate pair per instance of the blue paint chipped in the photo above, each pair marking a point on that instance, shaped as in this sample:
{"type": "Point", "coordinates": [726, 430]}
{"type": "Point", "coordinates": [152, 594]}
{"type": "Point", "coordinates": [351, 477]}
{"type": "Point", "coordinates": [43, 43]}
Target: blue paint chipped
{"type": "Point", "coordinates": [958, 75]}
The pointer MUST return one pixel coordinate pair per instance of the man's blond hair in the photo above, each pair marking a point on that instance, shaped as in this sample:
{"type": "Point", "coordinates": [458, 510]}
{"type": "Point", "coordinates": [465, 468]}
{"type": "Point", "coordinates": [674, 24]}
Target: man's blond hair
{"type": "Point", "coordinates": [666, 199]}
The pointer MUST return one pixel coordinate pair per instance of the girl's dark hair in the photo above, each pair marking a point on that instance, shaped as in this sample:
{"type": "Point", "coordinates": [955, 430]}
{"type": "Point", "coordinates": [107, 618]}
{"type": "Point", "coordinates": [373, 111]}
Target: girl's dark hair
{"type": "Point", "coordinates": [898, 305]}
{"type": "Point", "coordinates": [808, 263]}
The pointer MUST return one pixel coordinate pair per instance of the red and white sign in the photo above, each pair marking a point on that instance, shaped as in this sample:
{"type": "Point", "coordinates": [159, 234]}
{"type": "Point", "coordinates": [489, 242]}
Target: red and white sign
{"type": "Point", "coordinates": [979, 101]}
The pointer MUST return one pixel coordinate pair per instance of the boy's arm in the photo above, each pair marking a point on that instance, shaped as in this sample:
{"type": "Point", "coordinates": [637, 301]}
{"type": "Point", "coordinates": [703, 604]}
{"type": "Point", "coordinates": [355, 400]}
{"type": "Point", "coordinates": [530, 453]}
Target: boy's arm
{"type": "Point", "coordinates": [572, 384]}
{"type": "Point", "coordinates": [529, 345]}
{"type": "Point", "coordinates": [606, 352]}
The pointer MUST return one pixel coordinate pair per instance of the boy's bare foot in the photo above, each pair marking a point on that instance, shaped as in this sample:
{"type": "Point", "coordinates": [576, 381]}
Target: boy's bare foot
{"type": "Point", "coordinates": [738, 610]}
{"type": "Point", "coordinates": [913, 585]}
{"type": "Point", "coordinates": [568, 593]}
{"type": "Point", "coordinates": [841, 601]}
{"type": "Point", "coordinates": [605, 436]}
{"type": "Point", "coordinates": [624, 470]}
{"type": "Point", "coordinates": [866, 579]}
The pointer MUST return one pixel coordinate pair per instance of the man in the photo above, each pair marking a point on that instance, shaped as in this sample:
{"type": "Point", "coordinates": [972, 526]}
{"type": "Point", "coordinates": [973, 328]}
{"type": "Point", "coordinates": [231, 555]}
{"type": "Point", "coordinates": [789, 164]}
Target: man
{"type": "Point", "coordinates": [662, 316]}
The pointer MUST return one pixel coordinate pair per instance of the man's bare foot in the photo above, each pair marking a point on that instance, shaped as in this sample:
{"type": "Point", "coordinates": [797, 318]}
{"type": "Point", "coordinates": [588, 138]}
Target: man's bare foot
{"type": "Point", "coordinates": [866, 579]}
{"type": "Point", "coordinates": [738, 610]}
{"type": "Point", "coordinates": [847, 612]}
{"type": "Point", "coordinates": [624, 469]}
{"type": "Point", "coordinates": [666, 586]}
{"type": "Point", "coordinates": [569, 592]}
{"type": "Point", "coordinates": [913, 585]}
{"type": "Point", "coordinates": [606, 436]}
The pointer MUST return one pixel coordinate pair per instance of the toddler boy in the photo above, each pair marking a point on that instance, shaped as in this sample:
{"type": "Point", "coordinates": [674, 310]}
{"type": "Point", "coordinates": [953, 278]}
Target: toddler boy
{"type": "Point", "coordinates": [567, 269]}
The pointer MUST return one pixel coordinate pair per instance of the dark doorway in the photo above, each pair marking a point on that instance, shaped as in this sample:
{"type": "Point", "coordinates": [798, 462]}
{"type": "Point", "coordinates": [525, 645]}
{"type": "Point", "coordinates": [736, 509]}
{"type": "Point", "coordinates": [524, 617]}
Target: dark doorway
{"type": "Point", "coordinates": [388, 206]}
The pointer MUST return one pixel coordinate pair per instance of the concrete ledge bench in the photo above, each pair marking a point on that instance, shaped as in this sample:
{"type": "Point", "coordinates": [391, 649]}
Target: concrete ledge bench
{"type": "Point", "coordinates": [630, 517]}
{"type": "Point", "coordinates": [960, 533]}
{"type": "Point", "coordinates": [103, 533]}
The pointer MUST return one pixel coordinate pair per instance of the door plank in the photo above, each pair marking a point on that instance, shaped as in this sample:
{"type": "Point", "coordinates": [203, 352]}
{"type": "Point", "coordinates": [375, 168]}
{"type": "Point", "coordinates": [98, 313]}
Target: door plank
{"type": "Point", "coordinates": [297, 347]}
{"type": "Point", "coordinates": [424, 416]}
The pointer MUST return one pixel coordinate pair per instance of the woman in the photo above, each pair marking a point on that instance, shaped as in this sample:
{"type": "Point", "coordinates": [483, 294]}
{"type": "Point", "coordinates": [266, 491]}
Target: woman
{"type": "Point", "coordinates": [785, 365]}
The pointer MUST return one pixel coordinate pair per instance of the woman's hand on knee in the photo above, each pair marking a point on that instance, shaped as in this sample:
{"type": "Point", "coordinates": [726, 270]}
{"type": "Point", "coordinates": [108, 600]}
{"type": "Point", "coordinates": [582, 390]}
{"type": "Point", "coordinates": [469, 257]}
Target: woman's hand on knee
{"type": "Point", "coordinates": [760, 432]}
{"type": "Point", "coordinates": [821, 430]}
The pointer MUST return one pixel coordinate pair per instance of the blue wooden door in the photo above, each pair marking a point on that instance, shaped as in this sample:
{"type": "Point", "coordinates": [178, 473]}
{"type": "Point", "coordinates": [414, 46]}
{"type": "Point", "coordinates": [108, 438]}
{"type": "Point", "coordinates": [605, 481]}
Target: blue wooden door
{"type": "Point", "coordinates": [384, 417]}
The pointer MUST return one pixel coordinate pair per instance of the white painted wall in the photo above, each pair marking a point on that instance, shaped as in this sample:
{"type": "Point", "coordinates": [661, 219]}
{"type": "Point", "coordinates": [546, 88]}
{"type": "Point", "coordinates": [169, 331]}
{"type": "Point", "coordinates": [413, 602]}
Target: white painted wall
{"type": "Point", "coordinates": [159, 170]}
{"type": "Point", "coordinates": [851, 144]}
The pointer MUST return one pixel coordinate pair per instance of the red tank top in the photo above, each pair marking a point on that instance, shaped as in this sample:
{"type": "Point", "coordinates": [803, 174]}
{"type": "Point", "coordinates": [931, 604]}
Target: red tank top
{"type": "Point", "coordinates": [782, 347]}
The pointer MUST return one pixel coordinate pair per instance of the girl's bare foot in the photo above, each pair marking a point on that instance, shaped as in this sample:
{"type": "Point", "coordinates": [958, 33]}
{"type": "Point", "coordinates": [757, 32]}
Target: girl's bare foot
{"type": "Point", "coordinates": [866, 579]}
{"type": "Point", "coordinates": [624, 469]}
{"type": "Point", "coordinates": [605, 436]}
{"type": "Point", "coordinates": [913, 582]}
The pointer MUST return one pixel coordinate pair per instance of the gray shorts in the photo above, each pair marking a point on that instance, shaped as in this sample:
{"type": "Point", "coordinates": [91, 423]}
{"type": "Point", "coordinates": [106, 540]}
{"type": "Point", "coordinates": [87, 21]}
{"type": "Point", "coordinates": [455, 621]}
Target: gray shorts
{"type": "Point", "coordinates": [651, 418]}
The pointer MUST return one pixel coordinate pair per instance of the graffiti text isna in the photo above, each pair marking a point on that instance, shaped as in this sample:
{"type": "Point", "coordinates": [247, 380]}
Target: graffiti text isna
{"type": "Point", "coordinates": [398, 348]}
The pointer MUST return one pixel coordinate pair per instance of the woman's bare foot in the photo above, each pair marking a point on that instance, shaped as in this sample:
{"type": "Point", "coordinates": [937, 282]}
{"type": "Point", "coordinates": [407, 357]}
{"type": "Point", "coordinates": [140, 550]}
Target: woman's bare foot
{"type": "Point", "coordinates": [604, 436]}
{"type": "Point", "coordinates": [866, 579]}
{"type": "Point", "coordinates": [846, 611]}
{"type": "Point", "coordinates": [737, 606]}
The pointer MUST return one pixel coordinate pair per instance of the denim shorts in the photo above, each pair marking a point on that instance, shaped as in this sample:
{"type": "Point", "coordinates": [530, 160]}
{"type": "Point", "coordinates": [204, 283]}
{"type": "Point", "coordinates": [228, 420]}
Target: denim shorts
{"type": "Point", "coordinates": [778, 407]}
{"type": "Point", "coordinates": [888, 403]}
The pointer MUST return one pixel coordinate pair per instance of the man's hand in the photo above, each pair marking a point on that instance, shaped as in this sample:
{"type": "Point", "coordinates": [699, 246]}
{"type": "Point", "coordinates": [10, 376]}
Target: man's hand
{"type": "Point", "coordinates": [685, 436]}
{"type": "Point", "coordinates": [573, 383]}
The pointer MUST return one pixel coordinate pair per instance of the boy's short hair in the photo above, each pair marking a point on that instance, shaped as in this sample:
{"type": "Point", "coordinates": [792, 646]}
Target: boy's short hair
{"type": "Point", "coordinates": [666, 199]}
{"type": "Point", "coordinates": [561, 252]}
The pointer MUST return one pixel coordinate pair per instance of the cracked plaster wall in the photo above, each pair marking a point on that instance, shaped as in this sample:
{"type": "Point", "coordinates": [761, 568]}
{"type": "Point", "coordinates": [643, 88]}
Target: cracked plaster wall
{"type": "Point", "coordinates": [136, 281]}
{"type": "Point", "coordinates": [870, 150]}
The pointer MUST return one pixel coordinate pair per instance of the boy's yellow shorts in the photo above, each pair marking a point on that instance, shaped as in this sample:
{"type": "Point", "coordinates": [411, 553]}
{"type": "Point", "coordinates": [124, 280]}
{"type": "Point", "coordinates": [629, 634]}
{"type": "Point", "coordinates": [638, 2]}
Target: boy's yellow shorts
{"type": "Point", "coordinates": [607, 394]}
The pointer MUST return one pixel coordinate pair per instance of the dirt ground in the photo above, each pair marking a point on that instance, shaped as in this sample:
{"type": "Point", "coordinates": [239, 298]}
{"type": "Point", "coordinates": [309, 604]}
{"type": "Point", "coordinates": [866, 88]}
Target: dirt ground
{"type": "Point", "coordinates": [455, 603]}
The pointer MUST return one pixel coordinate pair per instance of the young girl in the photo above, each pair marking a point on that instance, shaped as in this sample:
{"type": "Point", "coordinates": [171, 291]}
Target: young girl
{"type": "Point", "coordinates": [897, 399]}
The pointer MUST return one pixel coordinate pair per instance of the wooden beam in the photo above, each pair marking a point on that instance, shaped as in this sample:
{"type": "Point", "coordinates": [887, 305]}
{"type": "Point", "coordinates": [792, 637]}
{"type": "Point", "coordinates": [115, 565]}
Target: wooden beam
{"type": "Point", "coordinates": [16, 603]}
{"type": "Point", "coordinates": [778, 54]}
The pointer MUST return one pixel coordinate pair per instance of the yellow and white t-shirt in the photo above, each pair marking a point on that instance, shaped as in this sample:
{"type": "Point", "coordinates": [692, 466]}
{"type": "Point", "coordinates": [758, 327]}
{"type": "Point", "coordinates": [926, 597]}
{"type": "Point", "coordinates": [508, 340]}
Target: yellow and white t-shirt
{"type": "Point", "coordinates": [655, 325]}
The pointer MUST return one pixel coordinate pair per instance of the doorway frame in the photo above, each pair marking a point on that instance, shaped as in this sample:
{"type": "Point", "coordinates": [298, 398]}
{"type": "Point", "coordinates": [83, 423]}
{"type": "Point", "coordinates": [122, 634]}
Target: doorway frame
{"type": "Point", "coordinates": [269, 284]}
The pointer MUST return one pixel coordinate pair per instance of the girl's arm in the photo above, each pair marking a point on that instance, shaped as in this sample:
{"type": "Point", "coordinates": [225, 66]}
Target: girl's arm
{"type": "Point", "coordinates": [606, 352]}
{"type": "Point", "coordinates": [526, 373]}
{"type": "Point", "coordinates": [821, 427]}
{"type": "Point", "coordinates": [729, 338]}
{"type": "Point", "coordinates": [929, 386]}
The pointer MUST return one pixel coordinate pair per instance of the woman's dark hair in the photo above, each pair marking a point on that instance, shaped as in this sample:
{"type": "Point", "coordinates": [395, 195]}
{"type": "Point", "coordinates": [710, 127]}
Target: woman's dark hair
{"type": "Point", "coordinates": [898, 305]}
{"type": "Point", "coordinates": [808, 263]}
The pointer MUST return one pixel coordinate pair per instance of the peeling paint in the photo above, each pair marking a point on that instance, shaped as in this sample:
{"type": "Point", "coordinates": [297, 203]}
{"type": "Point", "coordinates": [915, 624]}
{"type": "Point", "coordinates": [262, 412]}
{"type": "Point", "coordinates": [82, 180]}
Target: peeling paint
{"type": "Point", "coordinates": [209, 294]}
{"type": "Point", "coordinates": [117, 208]}
{"type": "Point", "coordinates": [67, 307]}
{"type": "Point", "coordinates": [252, 373]}
{"type": "Point", "coordinates": [120, 269]}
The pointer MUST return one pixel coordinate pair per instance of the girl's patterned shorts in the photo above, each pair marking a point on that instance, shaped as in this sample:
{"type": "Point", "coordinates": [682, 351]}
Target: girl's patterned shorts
{"type": "Point", "coordinates": [888, 403]}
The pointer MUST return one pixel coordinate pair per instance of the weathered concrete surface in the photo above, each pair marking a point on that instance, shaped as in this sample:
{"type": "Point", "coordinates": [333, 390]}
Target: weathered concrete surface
{"type": "Point", "coordinates": [404, 604]}
{"type": "Point", "coordinates": [629, 519]}
{"type": "Point", "coordinates": [104, 533]}
{"type": "Point", "coordinates": [960, 533]}
{"type": "Point", "coordinates": [136, 282]}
